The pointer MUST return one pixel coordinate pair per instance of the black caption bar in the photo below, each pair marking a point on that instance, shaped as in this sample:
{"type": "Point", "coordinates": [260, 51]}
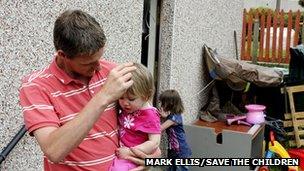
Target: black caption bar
{"type": "Point", "coordinates": [201, 162]}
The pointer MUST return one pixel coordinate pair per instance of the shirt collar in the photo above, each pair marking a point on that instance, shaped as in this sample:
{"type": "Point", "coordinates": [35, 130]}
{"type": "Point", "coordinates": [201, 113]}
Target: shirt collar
{"type": "Point", "coordinates": [60, 74]}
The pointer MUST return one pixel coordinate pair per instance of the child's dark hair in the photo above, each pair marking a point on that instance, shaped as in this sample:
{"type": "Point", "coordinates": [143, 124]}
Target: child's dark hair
{"type": "Point", "coordinates": [171, 101]}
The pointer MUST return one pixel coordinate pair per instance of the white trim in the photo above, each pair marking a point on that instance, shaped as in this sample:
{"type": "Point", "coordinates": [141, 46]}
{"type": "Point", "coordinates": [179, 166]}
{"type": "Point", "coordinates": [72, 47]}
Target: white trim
{"type": "Point", "coordinates": [87, 163]}
{"type": "Point", "coordinates": [72, 116]}
{"type": "Point", "coordinates": [101, 134]}
{"type": "Point", "coordinates": [46, 76]}
{"type": "Point", "coordinates": [59, 93]}
{"type": "Point", "coordinates": [37, 74]}
{"type": "Point", "coordinates": [34, 106]}
{"type": "Point", "coordinates": [78, 91]}
{"type": "Point", "coordinates": [28, 84]}
{"type": "Point", "coordinates": [97, 83]}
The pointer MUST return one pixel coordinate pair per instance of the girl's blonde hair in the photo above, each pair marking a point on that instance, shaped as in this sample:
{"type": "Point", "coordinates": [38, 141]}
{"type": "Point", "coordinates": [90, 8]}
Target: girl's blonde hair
{"type": "Point", "coordinates": [143, 85]}
{"type": "Point", "coordinates": [171, 101]}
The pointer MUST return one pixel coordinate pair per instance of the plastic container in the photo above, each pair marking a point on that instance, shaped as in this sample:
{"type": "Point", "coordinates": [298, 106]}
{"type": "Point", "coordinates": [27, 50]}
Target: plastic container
{"type": "Point", "coordinates": [255, 114]}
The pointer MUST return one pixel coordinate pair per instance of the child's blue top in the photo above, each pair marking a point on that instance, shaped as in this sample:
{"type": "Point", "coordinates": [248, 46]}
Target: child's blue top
{"type": "Point", "coordinates": [177, 137]}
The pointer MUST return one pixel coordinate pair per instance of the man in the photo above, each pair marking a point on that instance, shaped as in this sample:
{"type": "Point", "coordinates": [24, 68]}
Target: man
{"type": "Point", "coordinates": [69, 106]}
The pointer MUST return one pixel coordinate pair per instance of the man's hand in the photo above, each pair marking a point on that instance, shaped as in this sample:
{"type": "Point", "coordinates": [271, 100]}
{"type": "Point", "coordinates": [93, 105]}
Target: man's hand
{"type": "Point", "coordinates": [140, 157]}
{"type": "Point", "coordinates": [118, 81]}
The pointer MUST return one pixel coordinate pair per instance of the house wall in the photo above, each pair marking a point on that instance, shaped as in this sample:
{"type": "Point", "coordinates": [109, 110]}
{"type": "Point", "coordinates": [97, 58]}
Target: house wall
{"type": "Point", "coordinates": [185, 27]}
{"type": "Point", "coordinates": [286, 5]}
{"type": "Point", "coordinates": [26, 45]}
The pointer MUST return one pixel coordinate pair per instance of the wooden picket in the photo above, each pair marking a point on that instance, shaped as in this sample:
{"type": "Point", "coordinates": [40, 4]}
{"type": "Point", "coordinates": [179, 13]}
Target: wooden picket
{"type": "Point", "coordinates": [271, 36]}
{"type": "Point", "coordinates": [281, 30]}
{"type": "Point", "coordinates": [274, 38]}
{"type": "Point", "coordinates": [262, 26]}
{"type": "Point", "coordinates": [243, 41]}
{"type": "Point", "coordinates": [268, 23]}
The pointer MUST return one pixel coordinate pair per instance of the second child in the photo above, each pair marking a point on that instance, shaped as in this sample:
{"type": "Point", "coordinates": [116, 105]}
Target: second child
{"type": "Point", "coordinates": [172, 109]}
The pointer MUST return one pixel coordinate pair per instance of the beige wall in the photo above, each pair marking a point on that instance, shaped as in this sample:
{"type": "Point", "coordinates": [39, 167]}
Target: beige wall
{"type": "Point", "coordinates": [286, 5]}
{"type": "Point", "coordinates": [185, 27]}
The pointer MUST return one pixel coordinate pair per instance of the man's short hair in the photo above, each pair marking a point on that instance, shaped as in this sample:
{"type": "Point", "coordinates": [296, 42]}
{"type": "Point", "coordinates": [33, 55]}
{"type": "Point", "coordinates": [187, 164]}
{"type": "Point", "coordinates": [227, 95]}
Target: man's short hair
{"type": "Point", "coordinates": [78, 33]}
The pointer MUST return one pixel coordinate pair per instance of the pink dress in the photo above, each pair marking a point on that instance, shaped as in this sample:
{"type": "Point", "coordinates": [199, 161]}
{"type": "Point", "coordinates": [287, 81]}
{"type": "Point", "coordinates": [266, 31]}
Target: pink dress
{"type": "Point", "coordinates": [134, 130]}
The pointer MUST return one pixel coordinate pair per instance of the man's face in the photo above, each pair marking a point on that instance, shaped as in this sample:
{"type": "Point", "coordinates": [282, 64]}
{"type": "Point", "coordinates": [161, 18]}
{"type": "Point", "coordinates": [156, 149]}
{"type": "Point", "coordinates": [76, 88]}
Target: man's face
{"type": "Point", "coordinates": [83, 65]}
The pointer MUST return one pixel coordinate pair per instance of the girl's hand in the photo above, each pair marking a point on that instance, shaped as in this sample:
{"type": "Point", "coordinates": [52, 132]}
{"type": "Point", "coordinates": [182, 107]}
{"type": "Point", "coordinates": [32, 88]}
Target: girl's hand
{"type": "Point", "coordinates": [163, 113]}
{"type": "Point", "coordinates": [123, 152]}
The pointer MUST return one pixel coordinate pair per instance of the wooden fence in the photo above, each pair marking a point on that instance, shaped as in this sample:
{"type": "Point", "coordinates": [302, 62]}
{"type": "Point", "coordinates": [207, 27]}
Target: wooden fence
{"type": "Point", "coordinates": [267, 36]}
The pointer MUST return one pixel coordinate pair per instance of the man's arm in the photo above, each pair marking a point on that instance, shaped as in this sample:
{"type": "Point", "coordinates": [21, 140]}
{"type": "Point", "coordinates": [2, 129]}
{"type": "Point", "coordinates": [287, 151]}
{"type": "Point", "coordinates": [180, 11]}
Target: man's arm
{"type": "Point", "coordinates": [56, 143]}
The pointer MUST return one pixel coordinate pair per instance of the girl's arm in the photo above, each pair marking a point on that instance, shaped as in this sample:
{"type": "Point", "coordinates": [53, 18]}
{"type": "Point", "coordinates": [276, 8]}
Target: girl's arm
{"type": "Point", "coordinates": [148, 147]}
{"type": "Point", "coordinates": [167, 124]}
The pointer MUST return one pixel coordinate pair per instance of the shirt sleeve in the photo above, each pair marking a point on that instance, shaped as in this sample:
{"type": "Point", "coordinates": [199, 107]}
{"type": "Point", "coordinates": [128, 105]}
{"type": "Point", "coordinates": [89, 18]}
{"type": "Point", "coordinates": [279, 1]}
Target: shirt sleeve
{"type": "Point", "coordinates": [149, 122]}
{"type": "Point", "coordinates": [37, 108]}
{"type": "Point", "coordinates": [177, 118]}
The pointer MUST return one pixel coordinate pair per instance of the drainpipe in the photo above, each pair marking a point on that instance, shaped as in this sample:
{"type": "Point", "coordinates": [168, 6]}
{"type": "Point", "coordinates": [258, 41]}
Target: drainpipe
{"type": "Point", "coordinates": [152, 46]}
{"type": "Point", "coordinates": [150, 35]}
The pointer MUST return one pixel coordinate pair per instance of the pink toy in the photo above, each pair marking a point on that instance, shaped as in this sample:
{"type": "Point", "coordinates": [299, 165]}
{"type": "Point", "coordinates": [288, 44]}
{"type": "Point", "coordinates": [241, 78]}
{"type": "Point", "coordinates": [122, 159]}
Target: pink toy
{"type": "Point", "coordinates": [238, 119]}
{"type": "Point", "coordinates": [231, 119]}
{"type": "Point", "coordinates": [255, 114]}
{"type": "Point", "coordinates": [243, 122]}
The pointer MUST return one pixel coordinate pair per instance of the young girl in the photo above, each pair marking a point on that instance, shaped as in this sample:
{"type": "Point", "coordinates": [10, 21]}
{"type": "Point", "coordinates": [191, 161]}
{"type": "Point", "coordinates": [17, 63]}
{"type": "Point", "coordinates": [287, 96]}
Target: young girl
{"type": "Point", "coordinates": [139, 121]}
{"type": "Point", "coordinates": [171, 109]}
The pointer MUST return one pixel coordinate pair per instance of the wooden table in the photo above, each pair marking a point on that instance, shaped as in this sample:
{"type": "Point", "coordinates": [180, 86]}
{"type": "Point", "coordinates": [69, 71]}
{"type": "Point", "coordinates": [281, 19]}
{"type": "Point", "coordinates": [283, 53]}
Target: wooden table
{"type": "Point", "coordinates": [219, 126]}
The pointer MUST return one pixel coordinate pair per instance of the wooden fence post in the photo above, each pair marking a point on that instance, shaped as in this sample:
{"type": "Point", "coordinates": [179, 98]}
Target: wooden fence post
{"type": "Point", "coordinates": [255, 45]}
{"type": "Point", "coordinates": [281, 34]}
{"type": "Point", "coordinates": [262, 34]}
{"type": "Point", "coordinates": [274, 35]}
{"type": "Point", "coordinates": [243, 46]}
{"type": "Point", "coordinates": [297, 28]}
{"type": "Point", "coordinates": [249, 37]}
{"type": "Point", "coordinates": [267, 42]}
{"type": "Point", "coordinates": [289, 27]}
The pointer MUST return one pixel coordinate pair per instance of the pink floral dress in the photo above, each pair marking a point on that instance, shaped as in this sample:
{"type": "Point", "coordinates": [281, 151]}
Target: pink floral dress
{"type": "Point", "coordinates": [134, 130]}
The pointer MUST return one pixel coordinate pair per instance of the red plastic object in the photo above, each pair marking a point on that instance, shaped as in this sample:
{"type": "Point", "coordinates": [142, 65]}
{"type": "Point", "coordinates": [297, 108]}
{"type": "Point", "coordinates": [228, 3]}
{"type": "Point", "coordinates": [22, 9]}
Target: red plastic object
{"type": "Point", "coordinates": [263, 168]}
{"type": "Point", "coordinates": [272, 138]}
{"type": "Point", "coordinates": [297, 153]}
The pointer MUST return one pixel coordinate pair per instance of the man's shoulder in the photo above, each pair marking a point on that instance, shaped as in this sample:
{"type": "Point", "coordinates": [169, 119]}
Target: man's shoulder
{"type": "Point", "coordinates": [38, 77]}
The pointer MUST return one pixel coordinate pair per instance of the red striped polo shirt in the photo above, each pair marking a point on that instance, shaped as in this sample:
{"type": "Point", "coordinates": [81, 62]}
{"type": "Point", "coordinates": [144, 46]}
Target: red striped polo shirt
{"type": "Point", "coordinates": [50, 97]}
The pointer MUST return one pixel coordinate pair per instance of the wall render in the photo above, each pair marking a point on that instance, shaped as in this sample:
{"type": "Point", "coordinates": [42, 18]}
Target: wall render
{"type": "Point", "coordinates": [185, 26]}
